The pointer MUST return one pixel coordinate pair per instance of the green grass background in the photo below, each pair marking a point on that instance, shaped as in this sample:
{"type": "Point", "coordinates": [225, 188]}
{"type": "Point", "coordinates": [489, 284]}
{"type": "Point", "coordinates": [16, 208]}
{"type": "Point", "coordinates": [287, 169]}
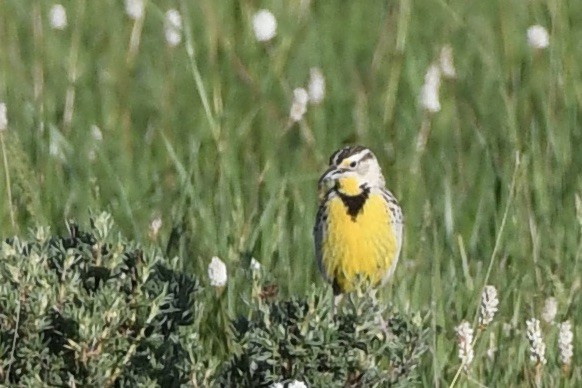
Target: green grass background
{"type": "Point", "coordinates": [199, 135]}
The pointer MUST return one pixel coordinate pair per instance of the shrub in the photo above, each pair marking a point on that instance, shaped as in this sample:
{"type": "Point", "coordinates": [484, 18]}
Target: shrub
{"type": "Point", "coordinates": [93, 309]}
{"type": "Point", "coordinates": [305, 340]}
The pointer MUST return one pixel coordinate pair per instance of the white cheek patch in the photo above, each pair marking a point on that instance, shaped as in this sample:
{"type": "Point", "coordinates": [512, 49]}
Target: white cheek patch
{"type": "Point", "coordinates": [363, 168]}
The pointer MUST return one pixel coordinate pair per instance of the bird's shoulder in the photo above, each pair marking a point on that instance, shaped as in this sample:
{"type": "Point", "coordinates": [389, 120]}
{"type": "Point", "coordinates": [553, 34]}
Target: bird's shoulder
{"type": "Point", "coordinates": [391, 203]}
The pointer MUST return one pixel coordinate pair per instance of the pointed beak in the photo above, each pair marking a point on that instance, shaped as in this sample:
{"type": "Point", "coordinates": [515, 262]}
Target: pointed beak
{"type": "Point", "coordinates": [327, 179]}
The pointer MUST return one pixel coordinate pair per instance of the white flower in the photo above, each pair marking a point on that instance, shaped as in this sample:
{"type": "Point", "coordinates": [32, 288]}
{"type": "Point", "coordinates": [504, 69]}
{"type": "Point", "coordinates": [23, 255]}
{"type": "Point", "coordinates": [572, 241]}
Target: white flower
{"type": "Point", "coordinates": [492, 348]}
{"type": "Point", "coordinates": [565, 343]}
{"type": "Point", "coordinates": [155, 226]}
{"type": "Point", "coordinates": [297, 384]}
{"type": "Point", "coordinates": [217, 272]}
{"type": "Point", "coordinates": [538, 37]}
{"type": "Point", "coordinates": [299, 106]}
{"type": "Point", "coordinates": [429, 94]}
{"type": "Point", "coordinates": [537, 347]}
{"type": "Point", "coordinates": [255, 265]}
{"type": "Point", "coordinates": [550, 310]}
{"type": "Point", "coordinates": [276, 385]}
{"type": "Point", "coordinates": [316, 88]}
{"type": "Point", "coordinates": [465, 342]}
{"type": "Point", "coordinates": [3, 117]}
{"type": "Point", "coordinates": [134, 9]}
{"type": "Point", "coordinates": [446, 62]}
{"type": "Point", "coordinates": [173, 27]}
{"type": "Point", "coordinates": [264, 25]}
{"type": "Point", "coordinates": [96, 133]}
{"type": "Point", "coordinates": [58, 17]}
{"type": "Point", "coordinates": [433, 76]}
{"type": "Point", "coordinates": [488, 308]}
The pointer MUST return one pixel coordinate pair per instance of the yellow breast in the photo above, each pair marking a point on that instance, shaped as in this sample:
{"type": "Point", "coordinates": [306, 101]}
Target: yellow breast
{"type": "Point", "coordinates": [365, 244]}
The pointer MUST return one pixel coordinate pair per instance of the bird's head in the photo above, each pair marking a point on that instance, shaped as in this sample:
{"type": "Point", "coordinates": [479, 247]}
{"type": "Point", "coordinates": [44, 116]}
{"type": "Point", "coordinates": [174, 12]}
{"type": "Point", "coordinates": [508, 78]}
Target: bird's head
{"type": "Point", "coordinates": [350, 170]}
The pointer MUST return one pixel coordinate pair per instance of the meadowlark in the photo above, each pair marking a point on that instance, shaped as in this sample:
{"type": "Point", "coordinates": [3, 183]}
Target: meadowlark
{"type": "Point", "coordinates": [358, 228]}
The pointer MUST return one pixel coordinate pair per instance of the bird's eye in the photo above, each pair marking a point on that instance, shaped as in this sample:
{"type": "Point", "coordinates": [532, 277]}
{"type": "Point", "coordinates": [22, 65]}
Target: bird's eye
{"type": "Point", "coordinates": [353, 164]}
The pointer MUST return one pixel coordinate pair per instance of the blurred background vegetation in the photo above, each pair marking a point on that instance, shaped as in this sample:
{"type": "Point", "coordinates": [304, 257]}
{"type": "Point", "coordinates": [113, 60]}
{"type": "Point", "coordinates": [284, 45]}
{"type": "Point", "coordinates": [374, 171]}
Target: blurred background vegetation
{"type": "Point", "coordinates": [104, 114]}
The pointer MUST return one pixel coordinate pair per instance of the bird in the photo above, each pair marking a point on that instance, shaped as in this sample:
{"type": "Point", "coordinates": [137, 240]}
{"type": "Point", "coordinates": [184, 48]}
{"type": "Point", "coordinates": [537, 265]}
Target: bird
{"type": "Point", "coordinates": [359, 223]}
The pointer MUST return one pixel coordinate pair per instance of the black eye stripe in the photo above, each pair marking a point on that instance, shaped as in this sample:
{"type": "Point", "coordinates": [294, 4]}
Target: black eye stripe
{"type": "Point", "coordinates": [367, 155]}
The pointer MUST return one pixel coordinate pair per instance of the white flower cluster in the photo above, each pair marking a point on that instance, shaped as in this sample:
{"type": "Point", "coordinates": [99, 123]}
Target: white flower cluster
{"type": "Point", "coordinates": [217, 272]}
{"type": "Point", "coordinates": [488, 308]}
{"type": "Point", "coordinates": [429, 93]}
{"type": "Point", "coordinates": [492, 349]}
{"type": "Point", "coordinates": [465, 343]}
{"type": "Point", "coordinates": [134, 9]}
{"type": "Point", "coordinates": [565, 338]}
{"type": "Point", "coordinates": [445, 67]}
{"type": "Point", "coordinates": [550, 310]}
{"type": "Point", "coordinates": [155, 226]}
{"type": "Point", "coordinates": [3, 117]}
{"type": "Point", "coordinates": [173, 27]}
{"type": "Point", "coordinates": [446, 62]}
{"type": "Point", "coordinates": [314, 94]}
{"type": "Point", "coordinates": [316, 88]}
{"type": "Point", "coordinates": [538, 37]}
{"type": "Point", "coordinates": [255, 265]}
{"type": "Point", "coordinates": [96, 133]}
{"type": "Point", "coordinates": [58, 17]}
{"type": "Point", "coordinates": [537, 347]}
{"type": "Point", "coordinates": [264, 25]}
{"type": "Point", "coordinates": [299, 105]}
